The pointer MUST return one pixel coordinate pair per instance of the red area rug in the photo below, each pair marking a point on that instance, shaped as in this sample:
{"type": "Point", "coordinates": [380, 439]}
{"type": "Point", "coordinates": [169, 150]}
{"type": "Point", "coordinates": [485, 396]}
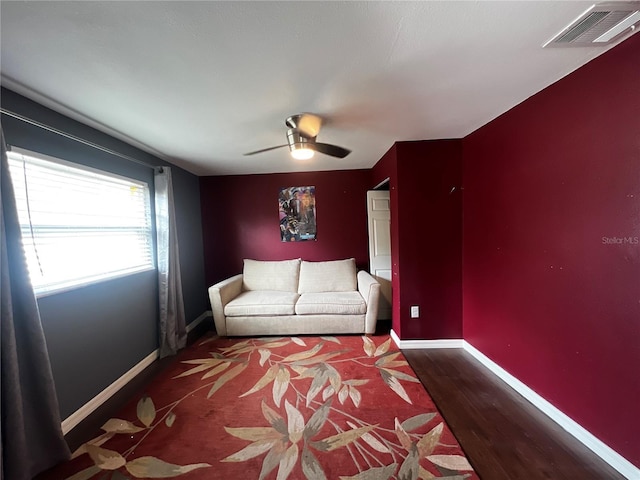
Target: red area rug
{"type": "Point", "coordinates": [278, 408]}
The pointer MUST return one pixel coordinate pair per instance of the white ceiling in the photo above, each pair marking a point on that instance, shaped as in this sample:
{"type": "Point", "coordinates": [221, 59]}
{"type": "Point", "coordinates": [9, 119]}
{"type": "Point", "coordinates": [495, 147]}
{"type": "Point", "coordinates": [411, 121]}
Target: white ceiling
{"type": "Point", "coordinates": [200, 83]}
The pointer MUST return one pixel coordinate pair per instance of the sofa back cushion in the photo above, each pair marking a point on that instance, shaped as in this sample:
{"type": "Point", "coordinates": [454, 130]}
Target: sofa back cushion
{"type": "Point", "coordinates": [281, 276]}
{"type": "Point", "coordinates": [333, 276]}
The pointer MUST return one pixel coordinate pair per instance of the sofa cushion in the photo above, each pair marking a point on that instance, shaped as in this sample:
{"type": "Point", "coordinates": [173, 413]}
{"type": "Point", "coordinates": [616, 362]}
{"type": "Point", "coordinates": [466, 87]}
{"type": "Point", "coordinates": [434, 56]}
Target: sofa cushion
{"type": "Point", "coordinates": [280, 275]}
{"type": "Point", "coordinates": [332, 303]}
{"type": "Point", "coordinates": [333, 276]}
{"type": "Point", "coordinates": [262, 302]}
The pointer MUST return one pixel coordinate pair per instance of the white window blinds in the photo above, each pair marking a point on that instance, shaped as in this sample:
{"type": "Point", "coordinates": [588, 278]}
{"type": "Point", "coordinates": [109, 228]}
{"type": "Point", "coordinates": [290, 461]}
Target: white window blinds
{"type": "Point", "coordinates": [79, 225]}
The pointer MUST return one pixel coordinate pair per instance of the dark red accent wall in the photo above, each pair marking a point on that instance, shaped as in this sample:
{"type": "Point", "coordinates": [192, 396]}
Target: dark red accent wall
{"type": "Point", "coordinates": [426, 224]}
{"type": "Point", "coordinates": [240, 219]}
{"type": "Point", "coordinates": [387, 168]}
{"type": "Point", "coordinates": [430, 218]}
{"type": "Point", "coordinates": [547, 295]}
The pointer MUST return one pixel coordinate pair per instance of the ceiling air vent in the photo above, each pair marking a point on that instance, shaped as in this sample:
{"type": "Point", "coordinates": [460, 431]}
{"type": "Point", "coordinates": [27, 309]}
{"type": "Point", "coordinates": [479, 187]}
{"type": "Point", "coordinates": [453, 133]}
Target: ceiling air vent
{"type": "Point", "coordinates": [602, 24]}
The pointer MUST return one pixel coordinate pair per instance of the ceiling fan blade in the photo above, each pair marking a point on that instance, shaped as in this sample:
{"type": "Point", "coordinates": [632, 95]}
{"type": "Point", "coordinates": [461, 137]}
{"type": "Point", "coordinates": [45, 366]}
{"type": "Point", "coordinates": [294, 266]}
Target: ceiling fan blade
{"type": "Point", "coordinates": [332, 150]}
{"type": "Point", "coordinates": [309, 125]}
{"type": "Point", "coordinates": [264, 150]}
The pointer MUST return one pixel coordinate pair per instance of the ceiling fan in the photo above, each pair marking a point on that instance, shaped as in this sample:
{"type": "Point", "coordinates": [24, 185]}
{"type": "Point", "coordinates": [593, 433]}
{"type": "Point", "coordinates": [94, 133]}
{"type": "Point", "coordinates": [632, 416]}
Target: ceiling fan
{"type": "Point", "coordinates": [301, 137]}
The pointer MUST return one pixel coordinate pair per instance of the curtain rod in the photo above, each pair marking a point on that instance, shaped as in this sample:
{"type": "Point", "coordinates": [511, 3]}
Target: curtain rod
{"type": "Point", "coordinates": [73, 137]}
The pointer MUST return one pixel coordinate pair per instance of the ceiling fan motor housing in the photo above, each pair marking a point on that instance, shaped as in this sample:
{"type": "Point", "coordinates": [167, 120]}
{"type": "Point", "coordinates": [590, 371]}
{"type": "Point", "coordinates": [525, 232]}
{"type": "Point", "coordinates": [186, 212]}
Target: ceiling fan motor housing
{"type": "Point", "coordinates": [297, 141]}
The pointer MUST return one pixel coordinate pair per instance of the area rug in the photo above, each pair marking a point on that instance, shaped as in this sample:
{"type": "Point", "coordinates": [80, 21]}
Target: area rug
{"type": "Point", "coordinates": [314, 408]}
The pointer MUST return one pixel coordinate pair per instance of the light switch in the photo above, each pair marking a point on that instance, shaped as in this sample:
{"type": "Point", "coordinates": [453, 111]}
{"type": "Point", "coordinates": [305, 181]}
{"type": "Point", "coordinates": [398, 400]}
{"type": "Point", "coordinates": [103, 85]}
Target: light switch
{"type": "Point", "coordinates": [415, 311]}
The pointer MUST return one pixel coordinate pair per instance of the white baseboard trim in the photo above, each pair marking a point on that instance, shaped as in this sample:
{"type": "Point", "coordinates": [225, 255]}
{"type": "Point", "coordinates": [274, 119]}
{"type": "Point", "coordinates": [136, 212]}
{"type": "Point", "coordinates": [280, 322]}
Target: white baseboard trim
{"type": "Point", "coordinates": [88, 408]}
{"type": "Point", "coordinates": [83, 412]}
{"type": "Point", "coordinates": [412, 344]}
{"type": "Point", "coordinates": [613, 458]}
{"type": "Point", "coordinates": [197, 321]}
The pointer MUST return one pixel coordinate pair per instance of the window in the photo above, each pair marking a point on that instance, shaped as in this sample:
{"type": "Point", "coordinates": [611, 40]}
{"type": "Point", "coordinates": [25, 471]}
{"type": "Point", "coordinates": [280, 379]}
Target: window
{"type": "Point", "coordinates": [79, 225]}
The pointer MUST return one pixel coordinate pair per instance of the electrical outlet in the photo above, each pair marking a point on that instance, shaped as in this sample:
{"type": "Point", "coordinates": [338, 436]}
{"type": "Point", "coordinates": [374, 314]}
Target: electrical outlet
{"type": "Point", "coordinates": [415, 311]}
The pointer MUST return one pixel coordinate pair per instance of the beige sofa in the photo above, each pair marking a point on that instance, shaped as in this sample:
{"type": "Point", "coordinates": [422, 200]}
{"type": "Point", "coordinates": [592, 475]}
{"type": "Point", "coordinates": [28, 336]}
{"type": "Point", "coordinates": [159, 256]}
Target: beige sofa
{"type": "Point", "coordinates": [293, 297]}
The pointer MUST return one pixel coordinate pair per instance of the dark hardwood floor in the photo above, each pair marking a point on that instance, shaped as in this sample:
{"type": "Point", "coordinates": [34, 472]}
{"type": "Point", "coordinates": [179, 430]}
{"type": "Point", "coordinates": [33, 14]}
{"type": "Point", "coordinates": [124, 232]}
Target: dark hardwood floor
{"type": "Point", "coordinates": [502, 434]}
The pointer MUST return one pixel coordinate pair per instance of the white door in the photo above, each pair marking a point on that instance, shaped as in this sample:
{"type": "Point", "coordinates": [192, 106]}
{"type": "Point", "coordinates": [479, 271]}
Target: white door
{"type": "Point", "coordinates": [379, 212]}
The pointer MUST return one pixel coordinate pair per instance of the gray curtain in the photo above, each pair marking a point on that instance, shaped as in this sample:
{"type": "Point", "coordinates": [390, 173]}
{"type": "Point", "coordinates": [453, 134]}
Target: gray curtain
{"type": "Point", "coordinates": [31, 439]}
{"type": "Point", "coordinates": [173, 331]}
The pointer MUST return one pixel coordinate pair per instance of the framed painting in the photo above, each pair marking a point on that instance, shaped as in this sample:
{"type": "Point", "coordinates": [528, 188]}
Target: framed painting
{"type": "Point", "coordinates": [297, 213]}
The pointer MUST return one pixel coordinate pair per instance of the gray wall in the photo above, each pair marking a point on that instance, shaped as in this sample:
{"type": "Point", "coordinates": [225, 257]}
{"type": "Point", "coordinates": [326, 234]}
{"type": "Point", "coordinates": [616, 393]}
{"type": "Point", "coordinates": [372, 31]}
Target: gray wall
{"type": "Point", "coordinates": [97, 333]}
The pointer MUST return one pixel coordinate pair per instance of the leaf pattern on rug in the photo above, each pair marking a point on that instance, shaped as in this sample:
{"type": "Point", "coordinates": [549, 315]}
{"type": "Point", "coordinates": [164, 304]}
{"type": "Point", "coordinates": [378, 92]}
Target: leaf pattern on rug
{"type": "Point", "coordinates": [281, 445]}
{"type": "Point", "coordinates": [141, 467]}
{"type": "Point", "coordinates": [312, 393]}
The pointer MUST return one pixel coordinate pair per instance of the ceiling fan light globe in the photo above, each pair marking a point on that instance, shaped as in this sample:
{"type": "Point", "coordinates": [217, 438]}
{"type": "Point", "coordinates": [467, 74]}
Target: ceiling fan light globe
{"type": "Point", "coordinates": [302, 153]}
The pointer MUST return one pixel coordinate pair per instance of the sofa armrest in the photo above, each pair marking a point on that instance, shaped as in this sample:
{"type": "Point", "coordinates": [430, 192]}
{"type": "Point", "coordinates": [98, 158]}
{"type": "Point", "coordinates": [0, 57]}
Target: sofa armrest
{"type": "Point", "coordinates": [219, 295]}
{"type": "Point", "coordinates": [369, 288]}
